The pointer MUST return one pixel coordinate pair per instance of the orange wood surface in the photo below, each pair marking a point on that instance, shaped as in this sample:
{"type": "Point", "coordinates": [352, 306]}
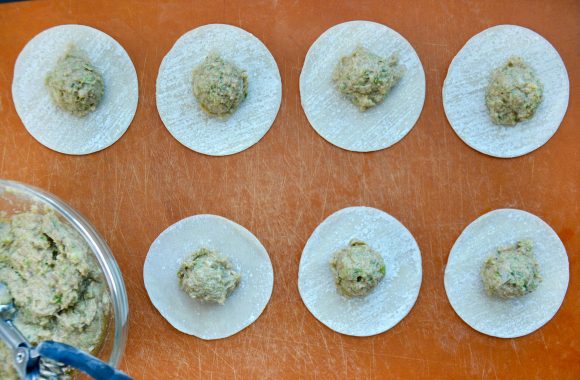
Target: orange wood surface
{"type": "Point", "coordinates": [284, 186]}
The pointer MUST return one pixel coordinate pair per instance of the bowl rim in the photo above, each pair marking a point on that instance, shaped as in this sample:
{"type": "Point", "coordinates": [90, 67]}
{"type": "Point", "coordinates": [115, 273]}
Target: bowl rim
{"type": "Point", "coordinates": [103, 254]}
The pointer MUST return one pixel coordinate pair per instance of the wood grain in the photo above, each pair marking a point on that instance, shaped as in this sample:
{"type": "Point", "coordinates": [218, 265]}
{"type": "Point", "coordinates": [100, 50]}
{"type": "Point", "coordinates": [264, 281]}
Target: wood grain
{"type": "Point", "coordinates": [283, 187]}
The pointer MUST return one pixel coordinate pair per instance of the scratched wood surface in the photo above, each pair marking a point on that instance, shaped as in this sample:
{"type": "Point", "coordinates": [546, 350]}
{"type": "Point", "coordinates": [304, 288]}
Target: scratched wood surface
{"type": "Point", "coordinates": [283, 187]}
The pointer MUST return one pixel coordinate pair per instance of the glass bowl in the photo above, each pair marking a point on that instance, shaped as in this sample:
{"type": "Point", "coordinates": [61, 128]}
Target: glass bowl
{"type": "Point", "coordinates": [17, 197]}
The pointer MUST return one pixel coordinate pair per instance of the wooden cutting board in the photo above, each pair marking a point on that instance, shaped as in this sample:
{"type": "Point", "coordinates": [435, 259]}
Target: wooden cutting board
{"type": "Point", "coordinates": [284, 186]}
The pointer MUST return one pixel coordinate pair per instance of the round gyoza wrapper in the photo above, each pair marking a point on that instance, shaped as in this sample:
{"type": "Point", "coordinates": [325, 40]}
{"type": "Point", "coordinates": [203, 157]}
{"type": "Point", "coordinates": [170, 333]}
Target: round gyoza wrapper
{"type": "Point", "coordinates": [179, 108]}
{"type": "Point", "coordinates": [57, 129]}
{"type": "Point", "coordinates": [393, 297]}
{"type": "Point", "coordinates": [469, 75]}
{"type": "Point", "coordinates": [333, 116]}
{"type": "Point", "coordinates": [499, 317]}
{"type": "Point", "coordinates": [205, 320]}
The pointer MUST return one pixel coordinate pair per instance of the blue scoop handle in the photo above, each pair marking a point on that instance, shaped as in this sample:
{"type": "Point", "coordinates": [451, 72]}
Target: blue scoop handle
{"type": "Point", "coordinates": [80, 360]}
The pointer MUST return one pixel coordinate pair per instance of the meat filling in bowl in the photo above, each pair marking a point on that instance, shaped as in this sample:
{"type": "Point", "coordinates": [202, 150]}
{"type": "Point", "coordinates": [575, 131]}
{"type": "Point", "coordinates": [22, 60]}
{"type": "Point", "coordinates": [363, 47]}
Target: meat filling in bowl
{"type": "Point", "coordinates": [54, 282]}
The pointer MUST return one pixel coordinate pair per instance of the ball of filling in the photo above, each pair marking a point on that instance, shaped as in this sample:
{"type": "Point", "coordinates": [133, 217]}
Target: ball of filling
{"type": "Point", "coordinates": [514, 93]}
{"type": "Point", "coordinates": [512, 271]}
{"type": "Point", "coordinates": [207, 276]}
{"type": "Point", "coordinates": [74, 84]}
{"type": "Point", "coordinates": [365, 78]}
{"type": "Point", "coordinates": [357, 269]}
{"type": "Point", "coordinates": [219, 86]}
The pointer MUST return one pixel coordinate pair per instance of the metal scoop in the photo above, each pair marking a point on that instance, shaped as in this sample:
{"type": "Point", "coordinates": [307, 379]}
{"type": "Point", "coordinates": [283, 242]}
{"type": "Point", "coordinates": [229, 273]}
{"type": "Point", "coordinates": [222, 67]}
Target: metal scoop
{"type": "Point", "coordinates": [48, 360]}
